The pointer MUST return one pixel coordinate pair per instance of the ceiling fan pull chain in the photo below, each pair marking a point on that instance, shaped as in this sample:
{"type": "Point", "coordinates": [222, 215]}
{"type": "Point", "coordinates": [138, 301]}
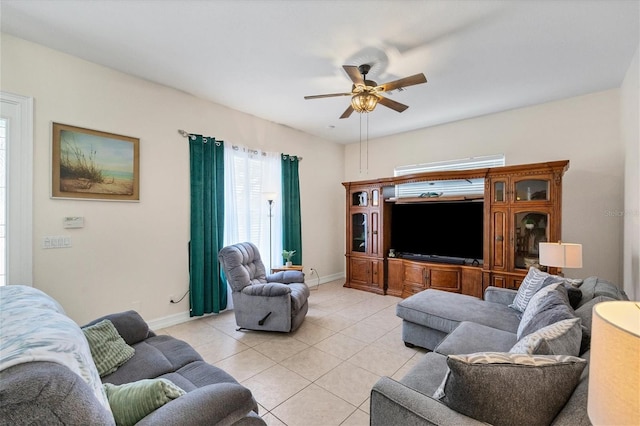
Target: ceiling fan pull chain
{"type": "Point", "coordinates": [367, 164]}
{"type": "Point", "coordinates": [360, 156]}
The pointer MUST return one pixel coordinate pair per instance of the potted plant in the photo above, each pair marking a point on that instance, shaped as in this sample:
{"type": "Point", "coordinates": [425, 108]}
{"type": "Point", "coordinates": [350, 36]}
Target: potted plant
{"type": "Point", "coordinates": [529, 223]}
{"type": "Point", "coordinates": [287, 255]}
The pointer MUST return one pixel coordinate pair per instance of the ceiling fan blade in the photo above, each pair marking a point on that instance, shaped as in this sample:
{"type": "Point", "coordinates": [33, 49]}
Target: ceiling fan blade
{"type": "Point", "coordinates": [328, 95]}
{"type": "Point", "coordinates": [403, 82]}
{"type": "Point", "coordinates": [397, 106]}
{"type": "Point", "coordinates": [347, 112]}
{"type": "Point", "coordinates": [354, 74]}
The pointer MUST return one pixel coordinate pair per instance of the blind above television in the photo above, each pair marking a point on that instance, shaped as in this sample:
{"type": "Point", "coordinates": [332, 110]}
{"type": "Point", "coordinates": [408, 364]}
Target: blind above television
{"type": "Point", "coordinates": [446, 187]}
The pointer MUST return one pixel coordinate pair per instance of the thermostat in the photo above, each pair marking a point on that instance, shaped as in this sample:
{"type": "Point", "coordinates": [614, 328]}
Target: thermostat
{"type": "Point", "coordinates": [74, 222]}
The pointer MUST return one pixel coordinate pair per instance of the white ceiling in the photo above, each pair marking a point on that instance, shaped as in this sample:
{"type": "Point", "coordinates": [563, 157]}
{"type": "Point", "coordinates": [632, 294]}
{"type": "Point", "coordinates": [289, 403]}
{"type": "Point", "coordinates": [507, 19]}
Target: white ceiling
{"type": "Point", "coordinates": [262, 57]}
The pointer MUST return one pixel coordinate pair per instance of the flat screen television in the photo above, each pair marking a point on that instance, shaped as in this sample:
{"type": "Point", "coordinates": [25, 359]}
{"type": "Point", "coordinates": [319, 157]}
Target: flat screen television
{"type": "Point", "coordinates": [446, 229]}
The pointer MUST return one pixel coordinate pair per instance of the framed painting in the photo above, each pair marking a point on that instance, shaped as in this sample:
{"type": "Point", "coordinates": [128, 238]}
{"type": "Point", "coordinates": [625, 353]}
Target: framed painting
{"type": "Point", "coordinates": [92, 165]}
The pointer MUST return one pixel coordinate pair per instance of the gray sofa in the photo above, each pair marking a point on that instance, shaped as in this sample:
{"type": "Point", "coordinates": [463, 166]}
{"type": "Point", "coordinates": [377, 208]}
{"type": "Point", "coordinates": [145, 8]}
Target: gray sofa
{"type": "Point", "coordinates": [44, 392]}
{"type": "Point", "coordinates": [451, 324]}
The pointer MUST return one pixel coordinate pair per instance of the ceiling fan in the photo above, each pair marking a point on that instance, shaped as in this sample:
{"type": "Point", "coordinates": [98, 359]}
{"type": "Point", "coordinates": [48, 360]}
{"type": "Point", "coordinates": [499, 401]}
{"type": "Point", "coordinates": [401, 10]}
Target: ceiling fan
{"type": "Point", "coordinates": [365, 94]}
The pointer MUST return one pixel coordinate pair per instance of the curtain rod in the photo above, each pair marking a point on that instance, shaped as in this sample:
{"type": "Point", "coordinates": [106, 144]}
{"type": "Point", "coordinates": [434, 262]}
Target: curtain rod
{"type": "Point", "coordinates": [236, 147]}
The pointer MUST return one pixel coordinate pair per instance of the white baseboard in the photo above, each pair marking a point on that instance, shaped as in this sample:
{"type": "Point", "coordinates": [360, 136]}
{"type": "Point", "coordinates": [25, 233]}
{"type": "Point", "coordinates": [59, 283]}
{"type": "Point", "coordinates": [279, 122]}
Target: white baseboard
{"type": "Point", "coordinates": [170, 320]}
{"type": "Point", "coordinates": [180, 317]}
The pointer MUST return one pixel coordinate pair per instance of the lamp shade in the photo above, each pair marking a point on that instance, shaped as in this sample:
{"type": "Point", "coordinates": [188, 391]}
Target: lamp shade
{"type": "Point", "coordinates": [270, 196]}
{"type": "Point", "coordinates": [614, 368]}
{"type": "Point", "coordinates": [364, 102]}
{"type": "Point", "coordinates": [562, 255]}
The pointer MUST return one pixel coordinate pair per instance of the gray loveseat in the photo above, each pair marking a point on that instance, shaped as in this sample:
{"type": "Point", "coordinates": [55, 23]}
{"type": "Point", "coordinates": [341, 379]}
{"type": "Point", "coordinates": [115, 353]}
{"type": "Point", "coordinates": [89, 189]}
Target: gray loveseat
{"type": "Point", "coordinates": [453, 324]}
{"type": "Point", "coordinates": [34, 390]}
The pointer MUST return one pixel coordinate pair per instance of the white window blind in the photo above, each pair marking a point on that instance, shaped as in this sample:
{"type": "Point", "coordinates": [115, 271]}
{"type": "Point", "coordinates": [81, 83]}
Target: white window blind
{"type": "Point", "coordinates": [3, 199]}
{"type": "Point", "coordinates": [446, 187]}
{"type": "Point", "coordinates": [249, 174]}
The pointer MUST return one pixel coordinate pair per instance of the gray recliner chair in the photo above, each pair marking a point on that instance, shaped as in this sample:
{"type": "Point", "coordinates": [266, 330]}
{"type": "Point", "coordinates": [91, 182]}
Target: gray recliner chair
{"type": "Point", "coordinates": [276, 302]}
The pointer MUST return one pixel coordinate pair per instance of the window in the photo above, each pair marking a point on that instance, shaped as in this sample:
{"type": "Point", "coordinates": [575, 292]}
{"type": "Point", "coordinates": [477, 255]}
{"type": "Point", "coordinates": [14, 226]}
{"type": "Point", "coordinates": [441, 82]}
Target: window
{"type": "Point", "coordinates": [249, 175]}
{"type": "Point", "coordinates": [16, 113]}
{"type": "Point", "coordinates": [446, 187]}
{"type": "Point", "coordinates": [3, 201]}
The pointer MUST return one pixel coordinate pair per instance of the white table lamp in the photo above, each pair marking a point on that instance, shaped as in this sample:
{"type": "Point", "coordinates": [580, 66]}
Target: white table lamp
{"type": "Point", "coordinates": [614, 369]}
{"type": "Point", "coordinates": [561, 255]}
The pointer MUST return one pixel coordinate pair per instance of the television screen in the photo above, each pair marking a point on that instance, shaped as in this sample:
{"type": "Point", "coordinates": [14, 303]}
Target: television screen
{"type": "Point", "coordinates": [452, 229]}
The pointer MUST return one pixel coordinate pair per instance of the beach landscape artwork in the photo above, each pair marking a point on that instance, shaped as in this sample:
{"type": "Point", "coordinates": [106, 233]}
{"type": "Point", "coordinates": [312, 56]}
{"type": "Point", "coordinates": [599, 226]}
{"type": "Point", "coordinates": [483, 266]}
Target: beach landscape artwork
{"type": "Point", "coordinates": [89, 164]}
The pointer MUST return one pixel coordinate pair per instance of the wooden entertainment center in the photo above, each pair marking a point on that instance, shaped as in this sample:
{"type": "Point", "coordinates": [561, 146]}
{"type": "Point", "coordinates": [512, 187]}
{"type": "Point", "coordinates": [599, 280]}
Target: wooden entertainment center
{"type": "Point", "coordinates": [522, 207]}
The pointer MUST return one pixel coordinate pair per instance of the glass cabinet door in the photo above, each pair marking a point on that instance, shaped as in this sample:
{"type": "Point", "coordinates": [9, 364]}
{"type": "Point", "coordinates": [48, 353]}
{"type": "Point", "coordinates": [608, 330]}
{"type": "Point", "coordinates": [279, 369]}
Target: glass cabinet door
{"type": "Point", "coordinates": [532, 189]}
{"type": "Point", "coordinates": [375, 198]}
{"type": "Point", "coordinates": [359, 232]}
{"type": "Point", "coordinates": [360, 198]}
{"type": "Point", "coordinates": [499, 191]}
{"type": "Point", "coordinates": [531, 229]}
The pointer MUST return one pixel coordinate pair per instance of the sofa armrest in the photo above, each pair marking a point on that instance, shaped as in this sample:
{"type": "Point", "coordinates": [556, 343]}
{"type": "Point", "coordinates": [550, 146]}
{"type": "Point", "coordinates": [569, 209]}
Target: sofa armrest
{"type": "Point", "coordinates": [129, 324]}
{"type": "Point", "coordinates": [286, 277]}
{"type": "Point", "coordinates": [267, 290]}
{"type": "Point", "coordinates": [504, 296]}
{"type": "Point", "coordinates": [220, 403]}
{"type": "Point", "coordinates": [43, 393]}
{"type": "Point", "coordinates": [393, 403]}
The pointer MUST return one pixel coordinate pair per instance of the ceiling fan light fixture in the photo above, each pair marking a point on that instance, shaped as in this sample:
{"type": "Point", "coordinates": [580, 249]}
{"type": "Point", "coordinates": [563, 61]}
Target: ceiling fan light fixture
{"type": "Point", "coordinates": [364, 102]}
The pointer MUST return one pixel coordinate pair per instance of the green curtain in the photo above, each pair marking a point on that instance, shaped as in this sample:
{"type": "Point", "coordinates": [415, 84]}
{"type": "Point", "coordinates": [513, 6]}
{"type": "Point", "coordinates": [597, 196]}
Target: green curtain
{"type": "Point", "coordinates": [291, 221]}
{"type": "Point", "coordinates": [208, 290]}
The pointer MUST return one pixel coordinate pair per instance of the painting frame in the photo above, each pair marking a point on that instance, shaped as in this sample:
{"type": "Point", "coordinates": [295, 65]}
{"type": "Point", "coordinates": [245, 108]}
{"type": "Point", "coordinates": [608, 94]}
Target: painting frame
{"type": "Point", "coordinates": [89, 164]}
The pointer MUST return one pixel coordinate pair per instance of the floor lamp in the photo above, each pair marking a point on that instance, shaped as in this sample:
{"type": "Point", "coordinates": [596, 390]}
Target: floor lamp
{"type": "Point", "coordinates": [271, 196]}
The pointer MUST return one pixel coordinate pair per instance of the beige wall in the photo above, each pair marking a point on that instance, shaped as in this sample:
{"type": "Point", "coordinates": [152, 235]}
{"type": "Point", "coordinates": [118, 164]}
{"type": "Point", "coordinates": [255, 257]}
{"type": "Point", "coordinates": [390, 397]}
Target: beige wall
{"type": "Point", "coordinates": [584, 130]}
{"type": "Point", "coordinates": [137, 252]}
{"type": "Point", "coordinates": [630, 124]}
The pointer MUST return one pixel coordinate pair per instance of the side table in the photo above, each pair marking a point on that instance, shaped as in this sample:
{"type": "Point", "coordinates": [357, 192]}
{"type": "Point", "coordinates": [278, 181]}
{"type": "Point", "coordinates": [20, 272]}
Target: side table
{"type": "Point", "coordinates": [287, 268]}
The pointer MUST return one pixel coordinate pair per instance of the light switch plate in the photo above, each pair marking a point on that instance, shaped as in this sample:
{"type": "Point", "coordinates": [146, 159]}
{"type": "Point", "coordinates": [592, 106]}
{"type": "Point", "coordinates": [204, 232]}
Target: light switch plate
{"type": "Point", "coordinates": [73, 222]}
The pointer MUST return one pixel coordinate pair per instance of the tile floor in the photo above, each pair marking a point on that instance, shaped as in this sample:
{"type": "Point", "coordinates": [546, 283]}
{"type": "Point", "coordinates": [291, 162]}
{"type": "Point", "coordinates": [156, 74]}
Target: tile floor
{"type": "Point", "coordinates": [322, 373]}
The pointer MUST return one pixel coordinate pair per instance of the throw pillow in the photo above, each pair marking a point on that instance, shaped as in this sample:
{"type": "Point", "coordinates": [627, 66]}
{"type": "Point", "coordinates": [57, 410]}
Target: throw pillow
{"type": "Point", "coordinates": [560, 338]}
{"type": "Point", "coordinates": [532, 283]}
{"type": "Point", "coordinates": [537, 386]}
{"type": "Point", "coordinates": [585, 313]}
{"type": "Point", "coordinates": [131, 402]}
{"type": "Point", "coordinates": [552, 308]}
{"type": "Point", "coordinates": [574, 294]}
{"type": "Point", "coordinates": [108, 349]}
{"type": "Point", "coordinates": [534, 305]}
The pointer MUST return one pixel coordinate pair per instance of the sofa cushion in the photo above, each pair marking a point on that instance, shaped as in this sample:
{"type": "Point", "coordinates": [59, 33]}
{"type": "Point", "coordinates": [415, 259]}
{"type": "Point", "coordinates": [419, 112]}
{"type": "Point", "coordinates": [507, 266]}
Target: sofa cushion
{"type": "Point", "coordinates": [154, 357]}
{"type": "Point", "coordinates": [130, 325]}
{"type": "Point", "coordinates": [444, 311]}
{"type": "Point", "coordinates": [198, 374]}
{"type": "Point", "coordinates": [537, 386]}
{"type": "Point", "coordinates": [470, 337]}
{"type": "Point", "coordinates": [131, 402]}
{"type": "Point", "coordinates": [427, 374]}
{"type": "Point", "coordinates": [551, 309]}
{"type": "Point", "coordinates": [560, 338]}
{"type": "Point", "coordinates": [574, 412]}
{"type": "Point", "coordinates": [532, 283]}
{"type": "Point", "coordinates": [108, 349]}
{"type": "Point", "coordinates": [593, 287]}
{"type": "Point", "coordinates": [536, 303]}
{"type": "Point", "coordinates": [585, 313]}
